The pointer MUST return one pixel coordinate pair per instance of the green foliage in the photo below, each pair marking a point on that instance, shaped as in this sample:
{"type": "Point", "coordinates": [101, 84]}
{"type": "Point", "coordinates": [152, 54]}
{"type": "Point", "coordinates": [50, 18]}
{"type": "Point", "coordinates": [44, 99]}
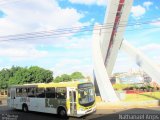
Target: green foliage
{"type": "Point", "coordinates": [146, 96]}
{"type": "Point", "coordinates": [19, 75]}
{"type": "Point", "coordinates": [39, 75]}
{"type": "Point", "coordinates": [34, 74]}
{"type": "Point", "coordinates": [63, 78]}
{"type": "Point", "coordinates": [77, 75]}
{"type": "Point", "coordinates": [57, 79]}
{"type": "Point", "coordinates": [121, 86]}
{"type": "Point", "coordinates": [131, 87]}
{"type": "Point", "coordinates": [66, 78]}
{"type": "Point", "coordinates": [4, 77]}
{"type": "Point", "coordinates": [149, 87]}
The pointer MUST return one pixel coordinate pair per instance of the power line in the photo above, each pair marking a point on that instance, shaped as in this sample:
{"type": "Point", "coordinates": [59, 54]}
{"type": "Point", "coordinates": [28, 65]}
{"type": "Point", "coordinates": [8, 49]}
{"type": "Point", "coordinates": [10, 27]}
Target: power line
{"type": "Point", "coordinates": [45, 34]}
{"type": "Point", "coordinates": [66, 35]}
{"type": "Point", "coordinates": [77, 29]}
{"type": "Point", "coordinates": [72, 28]}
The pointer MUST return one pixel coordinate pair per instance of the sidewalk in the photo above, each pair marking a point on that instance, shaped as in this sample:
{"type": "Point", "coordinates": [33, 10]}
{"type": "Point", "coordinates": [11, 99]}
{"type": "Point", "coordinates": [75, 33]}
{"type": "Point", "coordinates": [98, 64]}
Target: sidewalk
{"type": "Point", "coordinates": [125, 105]}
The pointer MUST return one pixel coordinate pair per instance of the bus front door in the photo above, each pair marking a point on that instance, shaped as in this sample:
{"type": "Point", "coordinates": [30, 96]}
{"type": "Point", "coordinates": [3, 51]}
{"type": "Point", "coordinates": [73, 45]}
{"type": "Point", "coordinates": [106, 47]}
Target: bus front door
{"type": "Point", "coordinates": [73, 107]}
{"type": "Point", "coordinates": [13, 96]}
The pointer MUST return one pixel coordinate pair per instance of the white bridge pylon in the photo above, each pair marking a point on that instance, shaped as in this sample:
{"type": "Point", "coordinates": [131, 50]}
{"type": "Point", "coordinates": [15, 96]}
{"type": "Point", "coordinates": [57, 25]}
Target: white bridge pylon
{"type": "Point", "coordinates": [107, 43]}
{"type": "Point", "coordinates": [142, 61]}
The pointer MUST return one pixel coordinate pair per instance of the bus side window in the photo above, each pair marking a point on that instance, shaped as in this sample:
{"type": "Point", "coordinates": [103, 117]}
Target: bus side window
{"type": "Point", "coordinates": [40, 92]}
{"type": "Point", "coordinates": [32, 92]}
{"type": "Point", "coordinates": [61, 92]}
{"type": "Point", "coordinates": [24, 92]}
{"type": "Point", "coordinates": [18, 92]}
{"type": "Point", "coordinates": [50, 92]}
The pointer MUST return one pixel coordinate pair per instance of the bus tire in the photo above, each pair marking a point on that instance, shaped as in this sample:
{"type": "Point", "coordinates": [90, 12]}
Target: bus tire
{"type": "Point", "coordinates": [25, 108]}
{"type": "Point", "coordinates": [62, 112]}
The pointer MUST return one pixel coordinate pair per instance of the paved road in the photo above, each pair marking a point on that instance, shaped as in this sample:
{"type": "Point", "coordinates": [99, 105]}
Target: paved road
{"type": "Point", "coordinates": [104, 114]}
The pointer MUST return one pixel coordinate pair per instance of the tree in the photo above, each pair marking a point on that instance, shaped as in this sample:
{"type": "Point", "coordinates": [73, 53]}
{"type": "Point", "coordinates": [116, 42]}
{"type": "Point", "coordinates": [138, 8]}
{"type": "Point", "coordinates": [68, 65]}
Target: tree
{"type": "Point", "coordinates": [6, 74]}
{"type": "Point", "coordinates": [58, 79]}
{"type": "Point", "coordinates": [63, 78]}
{"type": "Point", "coordinates": [14, 69]}
{"type": "Point", "coordinates": [4, 77]}
{"type": "Point", "coordinates": [67, 78]}
{"type": "Point", "coordinates": [20, 75]}
{"type": "Point", "coordinates": [77, 75]}
{"type": "Point", "coordinates": [39, 75]}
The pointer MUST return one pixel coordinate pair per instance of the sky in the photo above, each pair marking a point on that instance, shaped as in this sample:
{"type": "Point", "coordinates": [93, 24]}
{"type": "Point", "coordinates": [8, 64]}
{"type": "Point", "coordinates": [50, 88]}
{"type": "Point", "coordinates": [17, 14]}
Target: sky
{"type": "Point", "coordinates": [72, 52]}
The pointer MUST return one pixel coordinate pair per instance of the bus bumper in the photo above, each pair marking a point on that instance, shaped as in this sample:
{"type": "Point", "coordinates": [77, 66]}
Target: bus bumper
{"type": "Point", "coordinates": [81, 113]}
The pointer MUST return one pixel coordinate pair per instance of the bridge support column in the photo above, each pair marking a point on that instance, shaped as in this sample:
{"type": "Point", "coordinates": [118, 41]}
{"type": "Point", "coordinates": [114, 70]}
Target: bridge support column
{"type": "Point", "coordinates": [143, 61]}
{"type": "Point", "coordinates": [105, 87]}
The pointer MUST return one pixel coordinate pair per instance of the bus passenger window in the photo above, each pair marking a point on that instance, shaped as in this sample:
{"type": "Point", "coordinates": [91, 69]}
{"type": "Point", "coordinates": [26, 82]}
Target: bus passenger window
{"type": "Point", "coordinates": [31, 92]}
{"type": "Point", "coordinates": [61, 93]}
{"type": "Point", "coordinates": [50, 92]}
{"type": "Point", "coordinates": [40, 92]}
{"type": "Point", "coordinates": [19, 92]}
{"type": "Point", "coordinates": [24, 92]}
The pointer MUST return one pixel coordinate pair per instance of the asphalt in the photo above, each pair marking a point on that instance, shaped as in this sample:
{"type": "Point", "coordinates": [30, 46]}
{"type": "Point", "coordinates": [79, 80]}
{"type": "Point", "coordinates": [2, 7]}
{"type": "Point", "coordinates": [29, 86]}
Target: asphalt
{"type": "Point", "coordinates": [105, 111]}
{"type": "Point", "coordinates": [100, 114]}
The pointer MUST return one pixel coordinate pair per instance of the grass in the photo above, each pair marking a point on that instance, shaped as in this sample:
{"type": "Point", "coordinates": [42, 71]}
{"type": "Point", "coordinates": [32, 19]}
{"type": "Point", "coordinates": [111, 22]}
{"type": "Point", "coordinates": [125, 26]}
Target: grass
{"type": "Point", "coordinates": [143, 96]}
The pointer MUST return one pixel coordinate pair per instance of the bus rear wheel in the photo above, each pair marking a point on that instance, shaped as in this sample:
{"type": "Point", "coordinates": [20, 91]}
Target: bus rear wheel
{"type": "Point", "coordinates": [62, 113]}
{"type": "Point", "coordinates": [25, 108]}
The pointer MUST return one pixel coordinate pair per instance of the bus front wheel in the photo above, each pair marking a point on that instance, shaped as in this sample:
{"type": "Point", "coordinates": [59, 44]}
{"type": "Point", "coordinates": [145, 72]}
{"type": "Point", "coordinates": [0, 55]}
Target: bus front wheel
{"type": "Point", "coordinates": [25, 108]}
{"type": "Point", "coordinates": [62, 112]}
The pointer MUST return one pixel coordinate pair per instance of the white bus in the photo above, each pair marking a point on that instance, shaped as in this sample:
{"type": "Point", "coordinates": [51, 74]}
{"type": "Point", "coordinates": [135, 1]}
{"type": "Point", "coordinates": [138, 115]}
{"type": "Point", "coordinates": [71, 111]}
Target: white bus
{"type": "Point", "coordinates": [65, 99]}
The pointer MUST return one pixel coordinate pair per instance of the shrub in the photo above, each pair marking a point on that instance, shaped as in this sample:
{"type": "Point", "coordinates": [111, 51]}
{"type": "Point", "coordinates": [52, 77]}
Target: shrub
{"type": "Point", "coordinates": [120, 86]}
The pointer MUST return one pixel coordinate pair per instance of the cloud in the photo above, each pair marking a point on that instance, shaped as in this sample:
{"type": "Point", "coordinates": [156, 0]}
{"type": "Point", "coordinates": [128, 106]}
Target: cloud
{"type": "Point", "coordinates": [68, 66]}
{"type": "Point", "coordinates": [30, 15]}
{"type": "Point", "coordinates": [138, 11]}
{"type": "Point", "coordinates": [75, 43]}
{"type": "Point", "coordinates": [149, 32]}
{"type": "Point", "coordinates": [124, 63]}
{"type": "Point", "coordinates": [90, 2]}
{"type": "Point", "coordinates": [20, 51]}
{"type": "Point", "coordinates": [156, 22]}
{"type": "Point", "coordinates": [151, 47]}
{"type": "Point", "coordinates": [157, 8]}
{"type": "Point", "coordinates": [147, 4]}
{"type": "Point", "coordinates": [152, 51]}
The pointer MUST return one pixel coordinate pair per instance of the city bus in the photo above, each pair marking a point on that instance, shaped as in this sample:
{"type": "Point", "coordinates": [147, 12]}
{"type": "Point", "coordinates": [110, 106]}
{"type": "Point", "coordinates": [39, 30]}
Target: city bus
{"type": "Point", "coordinates": [64, 98]}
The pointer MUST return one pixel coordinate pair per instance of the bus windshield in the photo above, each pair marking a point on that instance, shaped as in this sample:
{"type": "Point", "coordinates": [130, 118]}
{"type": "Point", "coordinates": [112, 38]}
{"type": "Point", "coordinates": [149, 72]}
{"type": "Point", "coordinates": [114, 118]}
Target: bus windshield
{"type": "Point", "coordinates": [86, 96]}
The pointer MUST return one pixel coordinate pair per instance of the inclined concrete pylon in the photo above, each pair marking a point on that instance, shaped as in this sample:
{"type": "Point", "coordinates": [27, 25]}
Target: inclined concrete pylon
{"type": "Point", "coordinates": [107, 43]}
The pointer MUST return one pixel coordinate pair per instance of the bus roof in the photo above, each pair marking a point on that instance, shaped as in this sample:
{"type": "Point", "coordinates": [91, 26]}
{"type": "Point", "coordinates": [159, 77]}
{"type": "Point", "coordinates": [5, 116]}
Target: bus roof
{"type": "Point", "coordinates": [52, 84]}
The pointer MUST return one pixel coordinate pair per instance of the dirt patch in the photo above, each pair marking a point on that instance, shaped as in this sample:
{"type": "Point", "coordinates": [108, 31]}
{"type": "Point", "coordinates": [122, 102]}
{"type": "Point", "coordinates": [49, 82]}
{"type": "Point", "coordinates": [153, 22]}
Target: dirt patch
{"type": "Point", "coordinates": [3, 100]}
